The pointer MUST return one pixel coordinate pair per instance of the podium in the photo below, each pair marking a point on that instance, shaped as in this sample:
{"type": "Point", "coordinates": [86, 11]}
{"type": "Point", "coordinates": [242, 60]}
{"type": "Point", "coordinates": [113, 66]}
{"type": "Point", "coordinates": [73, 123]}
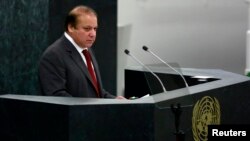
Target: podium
{"type": "Point", "coordinates": [222, 95]}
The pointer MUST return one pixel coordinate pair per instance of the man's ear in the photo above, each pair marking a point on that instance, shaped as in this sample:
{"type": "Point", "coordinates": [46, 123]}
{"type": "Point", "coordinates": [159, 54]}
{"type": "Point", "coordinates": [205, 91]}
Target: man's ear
{"type": "Point", "coordinates": [71, 28]}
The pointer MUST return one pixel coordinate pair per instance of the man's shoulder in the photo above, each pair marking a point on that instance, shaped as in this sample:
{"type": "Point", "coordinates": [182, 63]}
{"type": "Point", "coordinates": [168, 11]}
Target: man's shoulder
{"type": "Point", "coordinates": [57, 45]}
{"type": "Point", "coordinates": [59, 42]}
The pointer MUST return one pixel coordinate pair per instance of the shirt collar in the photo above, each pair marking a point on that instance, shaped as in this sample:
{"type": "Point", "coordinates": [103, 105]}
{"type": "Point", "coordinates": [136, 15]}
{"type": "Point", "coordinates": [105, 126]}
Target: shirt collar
{"type": "Point", "coordinates": [79, 49]}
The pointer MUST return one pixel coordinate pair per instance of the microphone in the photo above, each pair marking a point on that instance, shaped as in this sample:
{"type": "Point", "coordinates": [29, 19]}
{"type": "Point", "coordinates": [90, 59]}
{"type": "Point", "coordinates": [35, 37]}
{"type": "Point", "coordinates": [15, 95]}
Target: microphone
{"type": "Point", "coordinates": [146, 49]}
{"type": "Point", "coordinates": [128, 53]}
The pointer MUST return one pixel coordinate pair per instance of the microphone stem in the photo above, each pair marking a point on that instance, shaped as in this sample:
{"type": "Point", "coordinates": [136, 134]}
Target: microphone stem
{"type": "Point", "coordinates": [164, 90]}
{"type": "Point", "coordinates": [170, 67]}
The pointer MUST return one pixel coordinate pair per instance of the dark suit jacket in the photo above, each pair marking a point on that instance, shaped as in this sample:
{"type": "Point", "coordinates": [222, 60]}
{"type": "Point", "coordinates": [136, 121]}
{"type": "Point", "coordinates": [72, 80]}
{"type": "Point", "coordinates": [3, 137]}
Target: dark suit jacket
{"type": "Point", "coordinates": [62, 72]}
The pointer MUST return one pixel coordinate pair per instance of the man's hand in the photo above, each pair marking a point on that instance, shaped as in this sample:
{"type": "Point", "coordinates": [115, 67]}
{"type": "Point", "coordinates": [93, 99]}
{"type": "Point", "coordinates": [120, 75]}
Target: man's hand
{"type": "Point", "coordinates": [120, 97]}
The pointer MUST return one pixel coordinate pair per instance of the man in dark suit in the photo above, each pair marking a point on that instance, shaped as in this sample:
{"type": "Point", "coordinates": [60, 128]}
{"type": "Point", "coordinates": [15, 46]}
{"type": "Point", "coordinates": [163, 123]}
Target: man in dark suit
{"type": "Point", "coordinates": [63, 69]}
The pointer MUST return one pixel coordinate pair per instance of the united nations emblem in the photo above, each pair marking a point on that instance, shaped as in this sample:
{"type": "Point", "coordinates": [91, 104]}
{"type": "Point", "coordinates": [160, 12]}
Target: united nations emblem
{"type": "Point", "coordinates": [206, 111]}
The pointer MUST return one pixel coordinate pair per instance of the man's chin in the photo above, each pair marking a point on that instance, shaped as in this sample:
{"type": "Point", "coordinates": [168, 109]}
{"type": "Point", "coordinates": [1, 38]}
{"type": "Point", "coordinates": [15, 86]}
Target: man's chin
{"type": "Point", "coordinates": [89, 45]}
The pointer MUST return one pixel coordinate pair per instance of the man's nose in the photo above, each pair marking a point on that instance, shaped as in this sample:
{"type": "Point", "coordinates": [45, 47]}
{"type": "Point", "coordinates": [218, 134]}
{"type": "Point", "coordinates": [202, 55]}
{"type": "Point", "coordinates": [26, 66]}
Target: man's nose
{"type": "Point", "coordinates": [92, 33]}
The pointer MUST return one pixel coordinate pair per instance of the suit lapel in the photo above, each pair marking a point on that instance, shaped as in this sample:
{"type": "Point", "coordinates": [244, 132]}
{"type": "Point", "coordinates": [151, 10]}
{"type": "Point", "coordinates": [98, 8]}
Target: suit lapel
{"type": "Point", "coordinates": [74, 54]}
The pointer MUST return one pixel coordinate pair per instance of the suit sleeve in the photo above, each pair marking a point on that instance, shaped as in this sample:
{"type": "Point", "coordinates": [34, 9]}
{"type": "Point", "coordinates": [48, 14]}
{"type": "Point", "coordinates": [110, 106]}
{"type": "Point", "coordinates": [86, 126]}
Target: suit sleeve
{"type": "Point", "coordinates": [106, 94]}
{"type": "Point", "coordinates": [52, 75]}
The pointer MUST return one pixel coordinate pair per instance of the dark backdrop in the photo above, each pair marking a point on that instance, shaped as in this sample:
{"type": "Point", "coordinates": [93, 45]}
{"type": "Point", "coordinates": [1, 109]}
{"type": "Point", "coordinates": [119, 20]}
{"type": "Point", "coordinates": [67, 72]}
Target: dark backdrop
{"type": "Point", "coordinates": [27, 27]}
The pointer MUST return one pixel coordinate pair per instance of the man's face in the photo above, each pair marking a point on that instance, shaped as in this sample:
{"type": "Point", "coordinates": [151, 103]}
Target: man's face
{"type": "Point", "coordinates": [84, 33]}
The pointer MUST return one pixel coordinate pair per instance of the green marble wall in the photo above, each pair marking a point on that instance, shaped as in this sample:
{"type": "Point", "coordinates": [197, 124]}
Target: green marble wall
{"type": "Point", "coordinates": [23, 36]}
